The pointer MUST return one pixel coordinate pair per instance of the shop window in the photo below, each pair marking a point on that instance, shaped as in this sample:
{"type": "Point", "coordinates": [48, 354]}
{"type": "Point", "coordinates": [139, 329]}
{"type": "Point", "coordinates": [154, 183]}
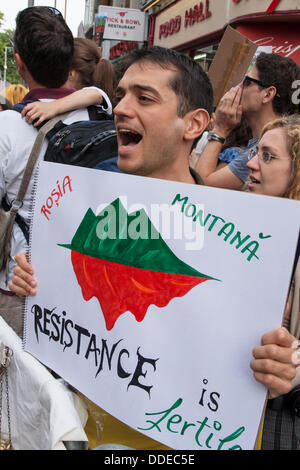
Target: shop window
{"type": "Point", "coordinates": [205, 55]}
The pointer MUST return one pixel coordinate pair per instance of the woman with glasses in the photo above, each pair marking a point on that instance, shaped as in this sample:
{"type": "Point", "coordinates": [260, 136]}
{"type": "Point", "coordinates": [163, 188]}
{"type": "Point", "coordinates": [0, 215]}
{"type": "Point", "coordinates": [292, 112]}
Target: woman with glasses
{"type": "Point", "coordinates": [275, 162]}
{"type": "Point", "coordinates": [275, 171]}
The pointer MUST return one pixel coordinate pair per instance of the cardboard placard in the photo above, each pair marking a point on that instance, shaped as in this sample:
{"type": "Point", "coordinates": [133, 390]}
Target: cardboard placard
{"type": "Point", "coordinates": [231, 62]}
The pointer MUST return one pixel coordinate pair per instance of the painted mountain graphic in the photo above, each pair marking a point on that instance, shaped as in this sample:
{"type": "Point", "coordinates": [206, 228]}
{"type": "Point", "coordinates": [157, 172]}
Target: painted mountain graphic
{"type": "Point", "coordinates": [122, 260]}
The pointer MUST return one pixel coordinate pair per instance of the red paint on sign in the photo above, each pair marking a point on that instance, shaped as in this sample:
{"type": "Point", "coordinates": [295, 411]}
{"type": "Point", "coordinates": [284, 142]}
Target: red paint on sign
{"type": "Point", "coordinates": [120, 288]}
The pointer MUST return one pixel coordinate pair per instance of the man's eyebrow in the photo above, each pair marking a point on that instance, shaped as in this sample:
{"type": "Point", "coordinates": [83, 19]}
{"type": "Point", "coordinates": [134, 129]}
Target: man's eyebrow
{"type": "Point", "coordinates": [136, 86]}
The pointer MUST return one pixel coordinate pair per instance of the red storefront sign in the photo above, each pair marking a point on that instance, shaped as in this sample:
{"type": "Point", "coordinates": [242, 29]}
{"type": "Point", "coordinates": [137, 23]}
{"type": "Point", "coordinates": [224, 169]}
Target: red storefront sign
{"type": "Point", "coordinates": [122, 48]}
{"type": "Point", "coordinates": [283, 37]}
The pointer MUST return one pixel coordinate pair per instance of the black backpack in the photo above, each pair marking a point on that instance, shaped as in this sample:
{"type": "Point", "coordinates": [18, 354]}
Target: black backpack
{"type": "Point", "coordinates": [82, 143]}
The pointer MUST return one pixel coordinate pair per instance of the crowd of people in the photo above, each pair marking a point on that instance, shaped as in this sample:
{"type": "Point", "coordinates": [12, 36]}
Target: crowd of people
{"type": "Point", "coordinates": [162, 105]}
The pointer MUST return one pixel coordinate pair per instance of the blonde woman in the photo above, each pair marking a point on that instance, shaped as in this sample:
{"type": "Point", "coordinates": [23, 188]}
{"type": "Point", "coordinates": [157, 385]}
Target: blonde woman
{"type": "Point", "coordinates": [275, 171]}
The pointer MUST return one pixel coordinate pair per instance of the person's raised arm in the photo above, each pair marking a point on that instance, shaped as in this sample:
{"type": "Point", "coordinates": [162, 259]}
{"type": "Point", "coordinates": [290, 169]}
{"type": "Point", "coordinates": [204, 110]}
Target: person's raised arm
{"type": "Point", "coordinates": [46, 110]}
{"type": "Point", "coordinates": [228, 116]}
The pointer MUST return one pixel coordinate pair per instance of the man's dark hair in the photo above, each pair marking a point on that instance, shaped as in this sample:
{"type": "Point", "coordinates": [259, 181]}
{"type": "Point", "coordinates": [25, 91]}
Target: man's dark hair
{"type": "Point", "coordinates": [45, 44]}
{"type": "Point", "coordinates": [280, 72]}
{"type": "Point", "coordinates": [191, 84]}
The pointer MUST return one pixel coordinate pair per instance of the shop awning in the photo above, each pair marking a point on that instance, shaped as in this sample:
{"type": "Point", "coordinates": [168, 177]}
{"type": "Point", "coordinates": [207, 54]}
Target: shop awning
{"type": "Point", "coordinates": [283, 37]}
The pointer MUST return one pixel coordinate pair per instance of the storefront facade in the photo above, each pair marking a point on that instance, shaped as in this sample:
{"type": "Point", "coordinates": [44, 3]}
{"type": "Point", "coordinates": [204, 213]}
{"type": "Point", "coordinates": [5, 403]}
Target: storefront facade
{"type": "Point", "coordinates": [196, 27]}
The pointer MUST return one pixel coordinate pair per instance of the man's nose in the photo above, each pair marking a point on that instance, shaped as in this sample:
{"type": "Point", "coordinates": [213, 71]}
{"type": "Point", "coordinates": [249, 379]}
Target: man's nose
{"type": "Point", "coordinates": [124, 107]}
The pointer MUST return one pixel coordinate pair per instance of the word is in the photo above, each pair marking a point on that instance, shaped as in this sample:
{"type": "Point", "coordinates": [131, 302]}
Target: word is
{"type": "Point", "coordinates": [56, 194]}
{"type": "Point", "coordinates": [174, 423]}
{"type": "Point", "coordinates": [227, 230]}
{"type": "Point", "coordinates": [64, 331]}
{"type": "Point", "coordinates": [213, 404]}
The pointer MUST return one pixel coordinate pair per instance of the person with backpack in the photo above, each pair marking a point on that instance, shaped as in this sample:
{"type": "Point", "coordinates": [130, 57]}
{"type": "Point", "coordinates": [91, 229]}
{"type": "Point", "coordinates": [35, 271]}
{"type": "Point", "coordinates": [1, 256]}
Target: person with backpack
{"type": "Point", "coordinates": [42, 38]}
{"type": "Point", "coordinates": [92, 73]}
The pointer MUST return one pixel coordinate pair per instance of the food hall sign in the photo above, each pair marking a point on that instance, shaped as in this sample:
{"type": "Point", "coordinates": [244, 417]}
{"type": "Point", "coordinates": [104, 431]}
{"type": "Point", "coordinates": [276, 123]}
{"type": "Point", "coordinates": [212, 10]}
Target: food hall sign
{"type": "Point", "coordinates": [200, 12]}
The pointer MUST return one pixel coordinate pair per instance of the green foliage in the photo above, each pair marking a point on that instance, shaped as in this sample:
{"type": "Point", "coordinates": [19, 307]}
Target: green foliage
{"type": "Point", "coordinates": [6, 37]}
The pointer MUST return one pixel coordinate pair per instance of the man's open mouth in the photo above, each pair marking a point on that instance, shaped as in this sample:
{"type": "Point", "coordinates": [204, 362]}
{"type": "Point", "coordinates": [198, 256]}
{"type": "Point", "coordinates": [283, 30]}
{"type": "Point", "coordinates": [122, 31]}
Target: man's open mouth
{"type": "Point", "coordinates": [128, 137]}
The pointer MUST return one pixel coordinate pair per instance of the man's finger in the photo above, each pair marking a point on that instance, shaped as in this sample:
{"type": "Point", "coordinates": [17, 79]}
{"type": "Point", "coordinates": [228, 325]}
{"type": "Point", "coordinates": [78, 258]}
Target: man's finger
{"type": "Point", "coordinates": [237, 96]}
{"type": "Point", "coordinates": [21, 260]}
{"type": "Point", "coordinates": [281, 337]}
{"type": "Point", "coordinates": [27, 278]}
{"type": "Point", "coordinates": [285, 371]}
{"type": "Point", "coordinates": [274, 353]}
{"type": "Point", "coordinates": [20, 287]}
{"type": "Point", "coordinates": [275, 385]}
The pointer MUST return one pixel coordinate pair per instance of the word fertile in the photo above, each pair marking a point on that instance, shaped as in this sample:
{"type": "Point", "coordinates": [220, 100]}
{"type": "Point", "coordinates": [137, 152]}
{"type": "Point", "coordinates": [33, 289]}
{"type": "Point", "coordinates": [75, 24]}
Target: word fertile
{"type": "Point", "coordinates": [226, 230]}
{"type": "Point", "coordinates": [176, 424]}
{"type": "Point", "coordinates": [206, 434]}
{"type": "Point", "coordinates": [68, 334]}
{"type": "Point", "coordinates": [56, 194]}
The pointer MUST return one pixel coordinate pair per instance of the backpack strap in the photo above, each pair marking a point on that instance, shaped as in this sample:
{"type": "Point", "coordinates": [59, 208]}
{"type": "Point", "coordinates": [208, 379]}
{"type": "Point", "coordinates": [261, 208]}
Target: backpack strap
{"type": "Point", "coordinates": [34, 154]}
{"type": "Point", "coordinates": [19, 220]}
{"type": "Point", "coordinates": [17, 203]}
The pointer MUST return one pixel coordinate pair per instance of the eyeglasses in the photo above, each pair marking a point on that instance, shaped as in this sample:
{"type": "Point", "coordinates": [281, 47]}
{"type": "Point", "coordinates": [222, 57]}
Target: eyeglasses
{"type": "Point", "coordinates": [264, 156]}
{"type": "Point", "coordinates": [248, 80]}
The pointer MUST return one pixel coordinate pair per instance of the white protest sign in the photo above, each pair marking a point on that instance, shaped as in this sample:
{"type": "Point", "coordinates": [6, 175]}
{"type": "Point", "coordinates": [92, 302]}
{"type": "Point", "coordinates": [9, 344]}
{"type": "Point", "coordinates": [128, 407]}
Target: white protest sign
{"type": "Point", "coordinates": [126, 24]}
{"type": "Point", "coordinates": [166, 323]}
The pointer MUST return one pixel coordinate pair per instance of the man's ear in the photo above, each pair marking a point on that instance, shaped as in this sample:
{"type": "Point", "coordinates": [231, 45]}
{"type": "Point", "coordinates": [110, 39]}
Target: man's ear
{"type": "Point", "coordinates": [21, 67]}
{"type": "Point", "coordinates": [196, 122]}
{"type": "Point", "coordinates": [269, 94]}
